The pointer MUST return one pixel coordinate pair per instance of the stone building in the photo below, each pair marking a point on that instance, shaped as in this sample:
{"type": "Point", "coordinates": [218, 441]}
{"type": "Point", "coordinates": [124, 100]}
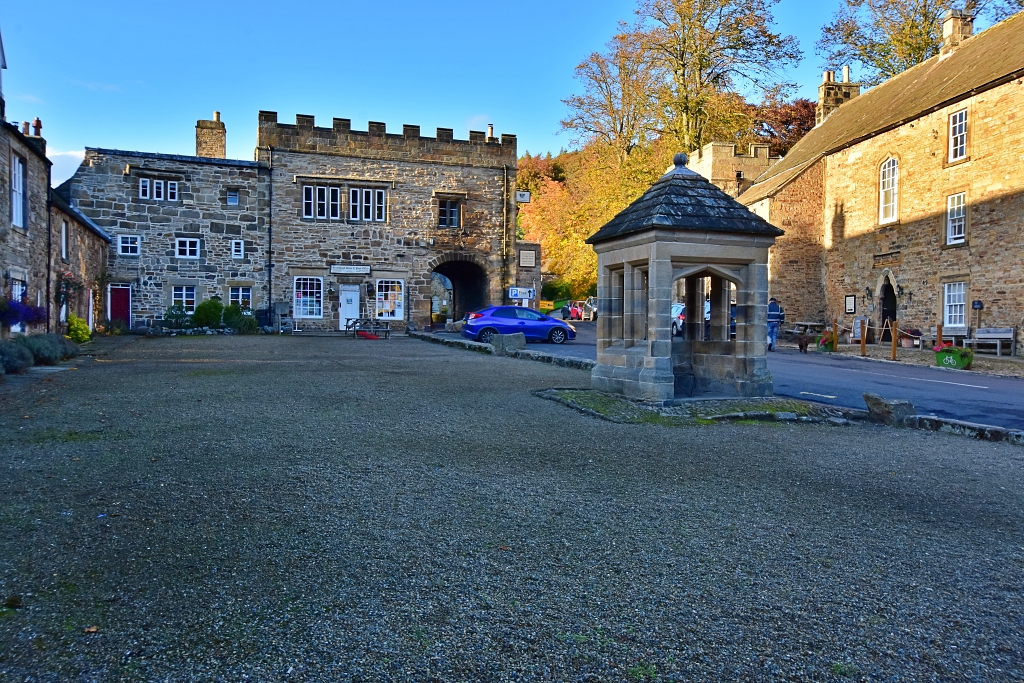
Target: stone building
{"type": "Point", "coordinates": [731, 172]}
{"type": "Point", "coordinates": [78, 254]}
{"type": "Point", "coordinates": [907, 201]}
{"type": "Point", "coordinates": [183, 228]}
{"type": "Point", "coordinates": [361, 219]}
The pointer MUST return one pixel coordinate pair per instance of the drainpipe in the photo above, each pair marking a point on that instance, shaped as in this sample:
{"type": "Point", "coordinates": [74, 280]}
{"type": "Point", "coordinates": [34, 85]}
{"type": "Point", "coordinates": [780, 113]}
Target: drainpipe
{"type": "Point", "coordinates": [270, 243]}
{"type": "Point", "coordinates": [504, 232]}
{"type": "Point", "coordinates": [49, 243]}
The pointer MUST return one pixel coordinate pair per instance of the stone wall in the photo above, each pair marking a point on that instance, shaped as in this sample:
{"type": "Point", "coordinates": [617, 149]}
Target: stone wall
{"type": "Point", "coordinates": [85, 258]}
{"type": "Point", "coordinates": [861, 254]}
{"type": "Point", "coordinates": [23, 249]}
{"type": "Point", "coordinates": [106, 189]}
{"type": "Point", "coordinates": [415, 173]}
{"type": "Point", "coordinates": [728, 170]}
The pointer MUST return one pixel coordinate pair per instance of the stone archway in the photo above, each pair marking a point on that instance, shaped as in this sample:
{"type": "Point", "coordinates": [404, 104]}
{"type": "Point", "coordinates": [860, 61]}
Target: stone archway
{"type": "Point", "coordinates": [468, 277]}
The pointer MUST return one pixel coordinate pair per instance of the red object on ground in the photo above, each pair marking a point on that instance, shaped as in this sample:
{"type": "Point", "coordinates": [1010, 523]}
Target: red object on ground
{"type": "Point", "coordinates": [366, 335]}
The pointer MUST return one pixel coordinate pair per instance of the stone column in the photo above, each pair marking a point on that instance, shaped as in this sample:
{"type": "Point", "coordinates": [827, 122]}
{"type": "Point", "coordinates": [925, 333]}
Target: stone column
{"type": "Point", "coordinates": [719, 309]}
{"type": "Point", "coordinates": [628, 305]}
{"type": "Point", "coordinates": [656, 380]}
{"type": "Point", "coordinates": [609, 319]}
{"type": "Point", "coordinates": [752, 330]}
{"type": "Point", "coordinates": [639, 305]}
{"type": "Point", "coordinates": [694, 311]}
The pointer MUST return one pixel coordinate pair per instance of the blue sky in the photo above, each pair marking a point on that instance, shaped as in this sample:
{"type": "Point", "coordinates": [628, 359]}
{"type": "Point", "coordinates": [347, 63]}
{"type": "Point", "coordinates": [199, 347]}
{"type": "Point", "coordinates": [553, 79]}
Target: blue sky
{"type": "Point", "coordinates": [137, 76]}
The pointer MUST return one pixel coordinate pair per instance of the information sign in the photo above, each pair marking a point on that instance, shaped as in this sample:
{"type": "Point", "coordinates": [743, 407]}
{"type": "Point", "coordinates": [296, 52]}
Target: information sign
{"type": "Point", "coordinates": [521, 293]}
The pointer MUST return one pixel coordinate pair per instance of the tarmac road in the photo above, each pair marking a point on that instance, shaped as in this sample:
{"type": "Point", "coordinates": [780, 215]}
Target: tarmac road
{"type": "Point", "coordinates": [843, 380]}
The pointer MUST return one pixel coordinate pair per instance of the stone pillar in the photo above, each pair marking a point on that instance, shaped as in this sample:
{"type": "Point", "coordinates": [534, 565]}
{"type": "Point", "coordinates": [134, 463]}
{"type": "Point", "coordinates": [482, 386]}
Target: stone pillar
{"type": "Point", "coordinates": [628, 305]}
{"type": "Point", "coordinates": [609, 320]}
{"type": "Point", "coordinates": [720, 295]}
{"type": "Point", "coordinates": [752, 331]}
{"type": "Point", "coordinates": [639, 305]}
{"type": "Point", "coordinates": [694, 311]}
{"type": "Point", "coordinates": [656, 381]}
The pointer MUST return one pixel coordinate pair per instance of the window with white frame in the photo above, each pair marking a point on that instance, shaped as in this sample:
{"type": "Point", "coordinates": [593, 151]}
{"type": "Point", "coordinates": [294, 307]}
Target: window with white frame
{"type": "Point", "coordinates": [158, 190]}
{"type": "Point", "coordinates": [187, 247]}
{"type": "Point", "coordinates": [309, 297]}
{"type": "Point", "coordinates": [954, 310]}
{"type": "Point", "coordinates": [958, 135]}
{"type": "Point", "coordinates": [64, 240]}
{"type": "Point", "coordinates": [172, 191]}
{"type": "Point", "coordinates": [448, 213]}
{"type": "Point", "coordinates": [956, 218]}
{"type": "Point", "coordinates": [390, 299]}
{"type": "Point", "coordinates": [17, 191]}
{"type": "Point", "coordinates": [128, 245]}
{"type": "Point", "coordinates": [334, 203]}
{"type": "Point", "coordinates": [241, 297]}
{"type": "Point", "coordinates": [237, 248]}
{"type": "Point", "coordinates": [321, 203]}
{"type": "Point", "coordinates": [888, 191]}
{"type": "Point", "coordinates": [232, 198]}
{"type": "Point", "coordinates": [144, 188]}
{"type": "Point", "coordinates": [186, 296]}
{"type": "Point", "coordinates": [19, 291]}
{"type": "Point", "coordinates": [307, 201]}
{"type": "Point", "coordinates": [367, 204]}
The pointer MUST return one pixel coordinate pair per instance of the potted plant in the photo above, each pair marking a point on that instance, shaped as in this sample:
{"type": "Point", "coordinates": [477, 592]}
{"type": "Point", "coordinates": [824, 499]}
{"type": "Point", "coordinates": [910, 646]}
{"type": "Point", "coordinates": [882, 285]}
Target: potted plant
{"type": "Point", "coordinates": [949, 356]}
{"type": "Point", "coordinates": [909, 337]}
{"type": "Point", "coordinates": [825, 343]}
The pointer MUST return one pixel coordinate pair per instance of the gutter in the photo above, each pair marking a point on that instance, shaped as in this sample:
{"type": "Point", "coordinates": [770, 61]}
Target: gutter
{"type": "Point", "coordinates": [49, 241]}
{"type": "Point", "coordinates": [270, 241]}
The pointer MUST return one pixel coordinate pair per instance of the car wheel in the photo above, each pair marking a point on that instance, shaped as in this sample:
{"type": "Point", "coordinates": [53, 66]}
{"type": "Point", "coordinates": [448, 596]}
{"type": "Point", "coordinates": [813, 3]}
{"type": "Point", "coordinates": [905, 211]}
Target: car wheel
{"type": "Point", "coordinates": [675, 330]}
{"type": "Point", "coordinates": [557, 335]}
{"type": "Point", "coordinates": [486, 335]}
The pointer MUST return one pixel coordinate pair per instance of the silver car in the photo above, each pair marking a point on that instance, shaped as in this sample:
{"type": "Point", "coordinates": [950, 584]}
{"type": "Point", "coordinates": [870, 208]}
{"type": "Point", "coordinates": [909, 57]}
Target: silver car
{"type": "Point", "coordinates": [589, 309]}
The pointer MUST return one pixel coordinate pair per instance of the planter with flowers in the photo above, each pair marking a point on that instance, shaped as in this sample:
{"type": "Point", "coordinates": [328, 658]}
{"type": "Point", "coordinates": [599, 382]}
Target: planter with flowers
{"type": "Point", "coordinates": [949, 356]}
{"type": "Point", "coordinates": [826, 343]}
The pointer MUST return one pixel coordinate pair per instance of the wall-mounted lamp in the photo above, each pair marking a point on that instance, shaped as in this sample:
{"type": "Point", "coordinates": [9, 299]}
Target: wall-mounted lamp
{"type": "Point", "coordinates": [867, 292]}
{"type": "Point", "coordinates": [899, 290]}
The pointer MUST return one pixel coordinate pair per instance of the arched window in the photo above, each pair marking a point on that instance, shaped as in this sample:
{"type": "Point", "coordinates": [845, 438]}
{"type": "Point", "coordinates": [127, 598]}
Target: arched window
{"type": "Point", "coordinates": [888, 191]}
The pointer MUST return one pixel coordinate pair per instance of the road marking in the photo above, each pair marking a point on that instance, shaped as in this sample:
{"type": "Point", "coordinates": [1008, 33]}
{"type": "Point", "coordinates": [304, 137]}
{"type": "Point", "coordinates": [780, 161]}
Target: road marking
{"type": "Point", "coordinates": [918, 379]}
{"type": "Point", "coordinates": [811, 393]}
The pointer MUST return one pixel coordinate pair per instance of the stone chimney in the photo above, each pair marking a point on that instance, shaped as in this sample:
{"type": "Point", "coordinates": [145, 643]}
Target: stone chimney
{"type": "Point", "coordinates": [211, 138]}
{"type": "Point", "coordinates": [957, 26]}
{"type": "Point", "coordinates": [832, 94]}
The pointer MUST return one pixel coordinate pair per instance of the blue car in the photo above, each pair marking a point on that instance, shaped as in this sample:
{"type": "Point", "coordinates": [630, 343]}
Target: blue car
{"type": "Point", "coordinates": [482, 325]}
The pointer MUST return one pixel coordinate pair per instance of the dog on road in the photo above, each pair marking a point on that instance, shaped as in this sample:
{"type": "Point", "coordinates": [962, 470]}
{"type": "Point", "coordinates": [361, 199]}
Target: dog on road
{"type": "Point", "coordinates": [802, 341]}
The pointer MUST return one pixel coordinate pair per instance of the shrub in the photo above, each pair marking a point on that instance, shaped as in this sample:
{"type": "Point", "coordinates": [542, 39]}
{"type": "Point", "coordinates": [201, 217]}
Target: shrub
{"type": "Point", "coordinates": [556, 289]}
{"type": "Point", "coordinates": [248, 325]}
{"type": "Point", "coordinates": [233, 316]}
{"type": "Point", "coordinates": [78, 329]}
{"type": "Point", "coordinates": [207, 314]}
{"type": "Point", "coordinates": [176, 317]}
{"type": "Point", "coordinates": [48, 349]}
{"type": "Point", "coordinates": [14, 357]}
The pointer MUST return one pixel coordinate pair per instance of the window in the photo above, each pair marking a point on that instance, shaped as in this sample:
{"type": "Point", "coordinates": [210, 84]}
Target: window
{"type": "Point", "coordinates": [188, 248]}
{"type": "Point", "coordinates": [321, 203]}
{"type": "Point", "coordinates": [64, 240]}
{"type": "Point", "coordinates": [504, 313]}
{"type": "Point", "coordinates": [17, 191]}
{"type": "Point", "coordinates": [232, 198]}
{"type": "Point", "coordinates": [128, 245]}
{"type": "Point", "coordinates": [143, 188]}
{"type": "Point", "coordinates": [241, 296]}
{"type": "Point", "coordinates": [527, 314]}
{"type": "Point", "coordinates": [956, 218]}
{"type": "Point", "coordinates": [367, 204]}
{"type": "Point", "coordinates": [391, 299]}
{"type": "Point", "coordinates": [186, 296]}
{"type": "Point", "coordinates": [19, 291]}
{"type": "Point", "coordinates": [237, 248]}
{"type": "Point", "coordinates": [955, 295]}
{"type": "Point", "coordinates": [888, 195]}
{"type": "Point", "coordinates": [172, 191]}
{"type": "Point", "coordinates": [448, 213]}
{"type": "Point", "coordinates": [307, 201]}
{"type": "Point", "coordinates": [335, 203]}
{"type": "Point", "coordinates": [958, 135]}
{"type": "Point", "coordinates": [158, 190]}
{"type": "Point", "coordinates": [309, 297]}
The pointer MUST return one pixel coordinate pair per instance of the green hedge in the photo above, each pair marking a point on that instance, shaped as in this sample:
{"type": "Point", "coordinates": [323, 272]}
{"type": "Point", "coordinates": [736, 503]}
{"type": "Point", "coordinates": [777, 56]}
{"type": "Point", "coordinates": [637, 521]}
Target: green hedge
{"type": "Point", "coordinates": [48, 349]}
{"type": "Point", "coordinates": [14, 357]}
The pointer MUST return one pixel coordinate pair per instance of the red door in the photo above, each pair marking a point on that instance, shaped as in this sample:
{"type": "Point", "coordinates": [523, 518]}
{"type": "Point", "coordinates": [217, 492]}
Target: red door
{"type": "Point", "coordinates": [121, 304]}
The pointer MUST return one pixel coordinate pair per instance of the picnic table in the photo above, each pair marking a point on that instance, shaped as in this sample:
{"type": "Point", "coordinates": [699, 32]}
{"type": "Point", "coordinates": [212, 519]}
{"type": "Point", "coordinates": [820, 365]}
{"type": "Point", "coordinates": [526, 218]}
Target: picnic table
{"type": "Point", "coordinates": [807, 328]}
{"type": "Point", "coordinates": [381, 328]}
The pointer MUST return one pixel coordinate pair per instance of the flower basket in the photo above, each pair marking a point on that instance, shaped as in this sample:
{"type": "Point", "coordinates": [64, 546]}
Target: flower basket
{"type": "Point", "coordinates": [954, 357]}
{"type": "Point", "coordinates": [825, 343]}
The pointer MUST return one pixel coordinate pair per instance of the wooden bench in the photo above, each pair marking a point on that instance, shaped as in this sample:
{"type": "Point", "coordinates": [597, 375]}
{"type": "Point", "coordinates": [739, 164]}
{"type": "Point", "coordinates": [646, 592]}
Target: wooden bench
{"type": "Point", "coordinates": [995, 336]}
{"type": "Point", "coordinates": [949, 334]}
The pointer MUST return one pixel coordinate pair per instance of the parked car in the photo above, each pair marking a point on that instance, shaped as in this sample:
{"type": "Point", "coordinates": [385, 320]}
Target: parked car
{"type": "Point", "coordinates": [482, 325]}
{"type": "Point", "coordinates": [678, 319]}
{"type": "Point", "coordinates": [575, 310]}
{"type": "Point", "coordinates": [589, 309]}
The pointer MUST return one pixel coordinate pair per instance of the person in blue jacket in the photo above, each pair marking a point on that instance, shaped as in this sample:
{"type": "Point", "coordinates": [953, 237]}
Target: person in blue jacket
{"type": "Point", "coordinates": [776, 316]}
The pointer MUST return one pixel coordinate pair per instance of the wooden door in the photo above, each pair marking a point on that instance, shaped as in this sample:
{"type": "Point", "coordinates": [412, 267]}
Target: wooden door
{"type": "Point", "coordinates": [121, 305]}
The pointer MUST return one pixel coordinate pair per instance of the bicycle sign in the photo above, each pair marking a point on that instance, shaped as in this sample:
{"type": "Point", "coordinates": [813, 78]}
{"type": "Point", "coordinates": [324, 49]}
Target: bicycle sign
{"type": "Point", "coordinates": [948, 360]}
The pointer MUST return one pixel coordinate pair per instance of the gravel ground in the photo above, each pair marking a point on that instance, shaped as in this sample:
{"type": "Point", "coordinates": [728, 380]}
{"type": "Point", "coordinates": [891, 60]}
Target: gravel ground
{"type": "Point", "coordinates": [314, 509]}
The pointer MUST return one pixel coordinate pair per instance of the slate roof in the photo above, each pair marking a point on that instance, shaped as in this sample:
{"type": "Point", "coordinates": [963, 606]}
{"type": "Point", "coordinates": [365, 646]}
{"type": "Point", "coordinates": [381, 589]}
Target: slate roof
{"type": "Point", "coordinates": [982, 62]}
{"type": "Point", "coordinates": [684, 200]}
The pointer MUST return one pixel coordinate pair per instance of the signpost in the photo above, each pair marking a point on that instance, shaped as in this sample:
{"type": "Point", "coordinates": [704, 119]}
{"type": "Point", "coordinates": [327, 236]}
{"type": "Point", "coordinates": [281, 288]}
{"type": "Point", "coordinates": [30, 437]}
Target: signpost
{"type": "Point", "coordinates": [522, 293]}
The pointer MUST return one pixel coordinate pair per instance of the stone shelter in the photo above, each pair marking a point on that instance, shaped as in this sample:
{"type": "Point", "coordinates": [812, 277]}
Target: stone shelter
{"type": "Point", "coordinates": [78, 265]}
{"type": "Point", "coordinates": [362, 219]}
{"type": "Point", "coordinates": [907, 201]}
{"type": "Point", "coordinates": [183, 228]}
{"type": "Point", "coordinates": [686, 228]}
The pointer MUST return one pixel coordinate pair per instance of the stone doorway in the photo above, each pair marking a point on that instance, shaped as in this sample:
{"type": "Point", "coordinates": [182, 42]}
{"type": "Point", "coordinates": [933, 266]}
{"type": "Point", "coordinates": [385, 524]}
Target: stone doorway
{"type": "Point", "coordinates": [888, 302]}
{"type": "Point", "coordinates": [468, 283]}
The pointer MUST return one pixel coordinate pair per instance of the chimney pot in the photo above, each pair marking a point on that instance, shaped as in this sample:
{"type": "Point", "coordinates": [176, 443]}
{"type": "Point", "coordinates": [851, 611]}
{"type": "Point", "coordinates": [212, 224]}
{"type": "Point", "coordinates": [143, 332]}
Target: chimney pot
{"type": "Point", "coordinates": [846, 74]}
{"type": "Point", "coordinates": [37, 127]}
{"type": "Point", "coordinates": [216, 116]}
{"type": "Point", "coordinates": [824, 76]}
{"type": "Point", "coordinates": [24, 128]}
{"type": "Point", "coordinates": [490, 130]}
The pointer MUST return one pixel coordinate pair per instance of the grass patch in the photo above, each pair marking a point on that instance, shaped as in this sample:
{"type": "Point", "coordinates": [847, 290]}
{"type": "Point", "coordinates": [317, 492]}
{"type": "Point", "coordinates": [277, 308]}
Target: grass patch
{"type": "Point", "coordinates": [642, 672]}
{"type": "Point", "coordinates": [843, 669]}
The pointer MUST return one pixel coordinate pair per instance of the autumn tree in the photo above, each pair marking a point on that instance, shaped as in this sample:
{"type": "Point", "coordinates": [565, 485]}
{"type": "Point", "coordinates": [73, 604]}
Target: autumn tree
{"type": "Point", "coordinates": [782, 123]}
{"type": "Point", "coordinates": [707, 49]}
{"type": "Point", "coordinates": [618, 105]}
{"type": "Point", "coordinates": [887, 37]}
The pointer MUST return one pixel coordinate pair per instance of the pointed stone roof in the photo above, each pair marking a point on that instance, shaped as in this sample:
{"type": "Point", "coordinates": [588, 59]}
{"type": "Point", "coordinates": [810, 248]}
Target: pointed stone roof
{"type": "Point", "coordinates": [684, 200]}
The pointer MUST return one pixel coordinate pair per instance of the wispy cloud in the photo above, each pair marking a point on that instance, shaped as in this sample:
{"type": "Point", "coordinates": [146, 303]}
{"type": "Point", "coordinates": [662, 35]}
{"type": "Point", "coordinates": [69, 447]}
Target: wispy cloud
{"type": "Point", "coordinates": [478, 122]}
{"type": "Point", "coordinates": [98, 87]}
{"type": "Point", "coordinates": [29, 98]}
